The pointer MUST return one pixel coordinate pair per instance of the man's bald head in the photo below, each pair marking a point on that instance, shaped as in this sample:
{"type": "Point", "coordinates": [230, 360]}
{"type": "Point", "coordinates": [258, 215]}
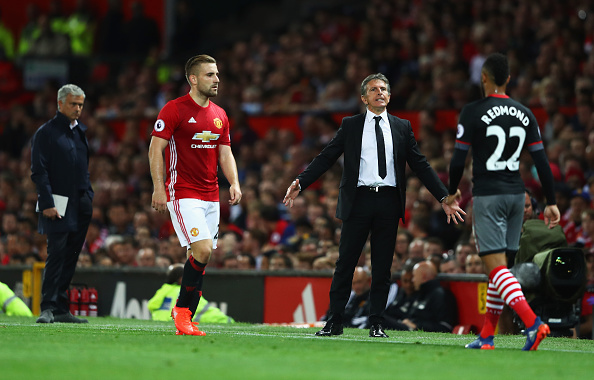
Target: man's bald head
{"type": "Point", "coordinates": [423, 272]}
{"type": "Point", "coordinates": [361, 281]}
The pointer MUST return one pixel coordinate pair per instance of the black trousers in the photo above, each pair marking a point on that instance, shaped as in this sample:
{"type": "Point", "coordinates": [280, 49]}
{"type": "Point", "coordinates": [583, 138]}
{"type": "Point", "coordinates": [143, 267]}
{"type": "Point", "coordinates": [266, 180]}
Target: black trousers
{"type": "Point", "coordinates": [376, 213]}
{"type": "Point", "coordinates": [63, 249]}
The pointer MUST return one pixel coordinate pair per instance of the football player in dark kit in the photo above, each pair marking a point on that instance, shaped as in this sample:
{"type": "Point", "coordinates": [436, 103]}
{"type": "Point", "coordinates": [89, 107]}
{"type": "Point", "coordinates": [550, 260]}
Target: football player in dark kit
{"type": "Point", "coordinates": [498, 128]}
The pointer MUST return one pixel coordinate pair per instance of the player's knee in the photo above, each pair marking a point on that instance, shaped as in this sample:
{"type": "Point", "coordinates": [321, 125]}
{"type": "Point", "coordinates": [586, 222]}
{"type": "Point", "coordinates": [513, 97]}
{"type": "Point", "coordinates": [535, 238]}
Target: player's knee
{"type": "Point", "coordinates": [201, 252]}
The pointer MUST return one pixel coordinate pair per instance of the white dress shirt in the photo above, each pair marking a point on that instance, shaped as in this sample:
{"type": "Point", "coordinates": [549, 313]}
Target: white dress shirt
{"type": "Point", "coordinates": [368, 168]}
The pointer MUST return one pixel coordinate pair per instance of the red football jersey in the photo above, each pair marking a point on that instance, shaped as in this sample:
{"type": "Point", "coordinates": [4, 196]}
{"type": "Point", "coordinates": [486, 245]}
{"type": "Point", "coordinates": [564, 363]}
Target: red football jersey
{"type": "Point", "coordinates": [191, 157]}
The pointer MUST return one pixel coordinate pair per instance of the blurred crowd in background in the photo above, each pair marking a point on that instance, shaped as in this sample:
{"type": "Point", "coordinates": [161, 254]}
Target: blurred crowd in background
{"type": "Point", "coordinates": [432, 53]}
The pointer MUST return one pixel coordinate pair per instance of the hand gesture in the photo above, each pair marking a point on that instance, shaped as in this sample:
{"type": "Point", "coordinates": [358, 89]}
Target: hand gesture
{"type": "Point", "coordinates": [552, 216]}
{"type": "Point", "coordinates": [452, 208]}
{"type": "Point", "coordinates": [292, 193]}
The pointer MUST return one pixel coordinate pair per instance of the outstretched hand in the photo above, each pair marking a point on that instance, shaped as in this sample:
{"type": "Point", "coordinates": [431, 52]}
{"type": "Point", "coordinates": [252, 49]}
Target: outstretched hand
{"type": "Point", "coordinates": [292, 193]}
{"type": "Point", "coordinates": [452, 208]}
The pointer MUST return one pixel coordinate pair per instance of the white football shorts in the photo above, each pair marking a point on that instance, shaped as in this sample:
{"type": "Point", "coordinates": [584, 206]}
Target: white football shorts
{"type": "Point", "coordinates": [195, 220]}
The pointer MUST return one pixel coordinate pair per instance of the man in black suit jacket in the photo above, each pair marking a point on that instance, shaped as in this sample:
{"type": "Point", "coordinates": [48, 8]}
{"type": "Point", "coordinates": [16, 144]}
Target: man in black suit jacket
{"type": "Point", "coordinates": [372, 192]}
{"type": "Point", "coordinates": [59, 166]}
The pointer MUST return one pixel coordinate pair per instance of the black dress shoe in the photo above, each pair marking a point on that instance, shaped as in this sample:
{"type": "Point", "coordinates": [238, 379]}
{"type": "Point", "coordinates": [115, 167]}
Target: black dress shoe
{"type": "Point", "coordinates": [331, 328]}
{"type": "Point", "coordinates": [46, 317]}
{"type": "Point", "coordinates": [377, 331]}
{"type": "Point", "coordinates": [68, 318]}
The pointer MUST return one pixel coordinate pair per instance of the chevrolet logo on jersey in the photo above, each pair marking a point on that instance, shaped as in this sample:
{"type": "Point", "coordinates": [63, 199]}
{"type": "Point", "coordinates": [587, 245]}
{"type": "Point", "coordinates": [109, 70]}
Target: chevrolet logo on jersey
{"type": "Point", "coordinates": [206, 136]}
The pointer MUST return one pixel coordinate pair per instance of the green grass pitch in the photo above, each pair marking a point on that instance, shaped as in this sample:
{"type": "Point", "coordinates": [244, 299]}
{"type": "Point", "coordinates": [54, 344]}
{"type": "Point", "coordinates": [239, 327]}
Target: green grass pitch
{"type": "Point", "coordinates": [110, 348]}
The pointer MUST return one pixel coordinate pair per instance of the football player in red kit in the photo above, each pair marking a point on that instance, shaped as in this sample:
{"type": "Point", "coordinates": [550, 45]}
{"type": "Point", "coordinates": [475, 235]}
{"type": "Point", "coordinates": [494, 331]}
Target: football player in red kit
{"type": "Point", "coordinates": [498, 128]}
{"type": "Point", "coordinates": [194, 134]}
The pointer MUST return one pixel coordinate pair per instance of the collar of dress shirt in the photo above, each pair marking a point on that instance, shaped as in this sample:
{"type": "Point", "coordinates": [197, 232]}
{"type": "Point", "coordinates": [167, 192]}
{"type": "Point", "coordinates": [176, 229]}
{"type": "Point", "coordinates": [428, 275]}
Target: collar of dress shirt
{"type": "Point", "coordinates": [370, 115]}
{"type": "Point", "coordinates": [73, 124]}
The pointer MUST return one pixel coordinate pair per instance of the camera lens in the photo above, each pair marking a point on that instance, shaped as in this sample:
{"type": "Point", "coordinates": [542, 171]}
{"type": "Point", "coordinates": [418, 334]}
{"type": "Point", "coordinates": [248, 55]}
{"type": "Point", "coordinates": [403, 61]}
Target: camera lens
{"type": "Point", "coordinates": [563, 267]}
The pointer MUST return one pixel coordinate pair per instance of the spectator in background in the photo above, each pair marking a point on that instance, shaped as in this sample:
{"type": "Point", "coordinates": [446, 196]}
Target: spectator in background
{"type": "Point", "coordinates": [141, 33]}
{"type": "Point", "coordinates": [324, 263]}
{"type": "Point", "coordinates": [96, 235]}
{"type": "Point", "coordinates": [398, 307]}
{"type": "Point", "coordinates": [449, 265]}
{"type": "Point", "coordinates": [474, 264]}
{"type": "Point", "coordinates": [530, 206]}
{"type": "Point", "coordinates": [356, 312]}
{"type": "Point", "coordinates": [185, 37]}
{"type": "Point", "coordinates": [403, 240]}
{"type": "Point", "coordinates": [119, 220]}
{"type": "Point", "coordinates": [280, 262]}
{"type": "Point", "coordinates": [126, 252]}
{"type": "Point", "coordinates": [297, 212]}
{"type": "Point", "coordinates": [29, 31]}
{"type": "Point", "coordinates": [6, 42]}
{"type": "Point", "coordinates": [17, 131]}
{"type": "Point", "coordinates": [9, 225]}
{"type": "Point", "coordinates": [580, 201]}
{"type": "Point", "coordinates": [273, 224]}
{"type": "Point", "coordinates": [84, 260]}
{"type": "Point", "coordinates": [433, 308]}
{"type": "Point", "coordinates": [463, 250]}
{"type": "Point", "coordinates": [12, 305]}
{"type": "Point", "coordinates": [146, 257]}
{"type": "Point", "coordinates": [163, 261]}
{"type": "Point", "coordinates": [252, 244]}
{"type": "Point", "coordinates": [80, 28]}
{"type": "Point", "coordinates": [229, 261]}
{"type": "Point", "coordinates": [49, 43]}
{"type": "Point", "coordinates": [432, 246]}
{"type": "Point", "coordinates": [416, 248]}
{"type": "Point", "coordinates": [110, 31]}
{"type": "Point", "coordinates": [245, 262]}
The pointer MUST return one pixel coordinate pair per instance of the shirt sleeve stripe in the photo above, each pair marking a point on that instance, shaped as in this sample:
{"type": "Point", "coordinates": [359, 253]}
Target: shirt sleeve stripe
{"type": "Point", "coordinates": [535, 146]}
{"type": "Point", "coordinates": [462, 145]}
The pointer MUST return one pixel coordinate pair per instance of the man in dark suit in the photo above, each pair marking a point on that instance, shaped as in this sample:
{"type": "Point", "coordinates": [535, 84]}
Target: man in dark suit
{"type": "Point", "coordinates": [376, 146]}
{"type": "Point", "coordinates": [59, 167]}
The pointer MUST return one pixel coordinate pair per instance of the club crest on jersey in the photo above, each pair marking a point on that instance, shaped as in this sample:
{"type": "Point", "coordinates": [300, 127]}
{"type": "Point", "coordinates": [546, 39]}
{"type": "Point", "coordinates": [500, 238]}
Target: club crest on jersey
{"type": "Point", "coordinates": [194, 231]}
{"type": "Point", "coordinates": [206, 136]}
{"type": "Point", "coordinates": [159, 125]}
{"type": "Point", "coordinates": [218, 123]}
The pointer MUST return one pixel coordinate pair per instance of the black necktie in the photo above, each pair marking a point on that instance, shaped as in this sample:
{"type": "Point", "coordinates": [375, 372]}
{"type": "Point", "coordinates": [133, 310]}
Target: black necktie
{"type": "Point", "coordinates": [381, 150]}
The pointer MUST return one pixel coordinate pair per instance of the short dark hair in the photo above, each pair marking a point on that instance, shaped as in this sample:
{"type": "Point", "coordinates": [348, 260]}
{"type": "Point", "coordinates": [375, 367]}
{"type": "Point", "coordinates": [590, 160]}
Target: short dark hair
{"type": "Point", "coordinates": [497, 68]}
{"type": "Point", "coordinates": [196, 61]}
{"type": "Point", "coordinates": [174, 273]}
{"type": "Point", "coordinates": [285, 258]}
{"type": "Point", "coordinates": [371, 77]}
{"type": "Point", "coordinates": [269, 213]}
{"type": "Point", "coordinates": [258, 235]}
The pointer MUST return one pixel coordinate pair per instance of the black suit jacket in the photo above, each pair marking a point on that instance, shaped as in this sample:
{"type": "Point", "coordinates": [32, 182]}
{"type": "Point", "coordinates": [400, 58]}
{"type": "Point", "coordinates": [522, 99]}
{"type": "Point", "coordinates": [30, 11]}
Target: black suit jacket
{"type": "Point", "coordinates": [348, 140]}
{"type": "Point", "coordinates": [53, 164]}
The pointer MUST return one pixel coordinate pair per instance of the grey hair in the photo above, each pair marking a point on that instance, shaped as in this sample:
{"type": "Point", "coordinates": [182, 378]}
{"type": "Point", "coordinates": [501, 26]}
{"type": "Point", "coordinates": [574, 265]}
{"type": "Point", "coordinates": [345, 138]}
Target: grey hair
{"type": "Point", "coordinates": [371, 77]}
{"type": "Point", "coordinates": [72, 89]}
